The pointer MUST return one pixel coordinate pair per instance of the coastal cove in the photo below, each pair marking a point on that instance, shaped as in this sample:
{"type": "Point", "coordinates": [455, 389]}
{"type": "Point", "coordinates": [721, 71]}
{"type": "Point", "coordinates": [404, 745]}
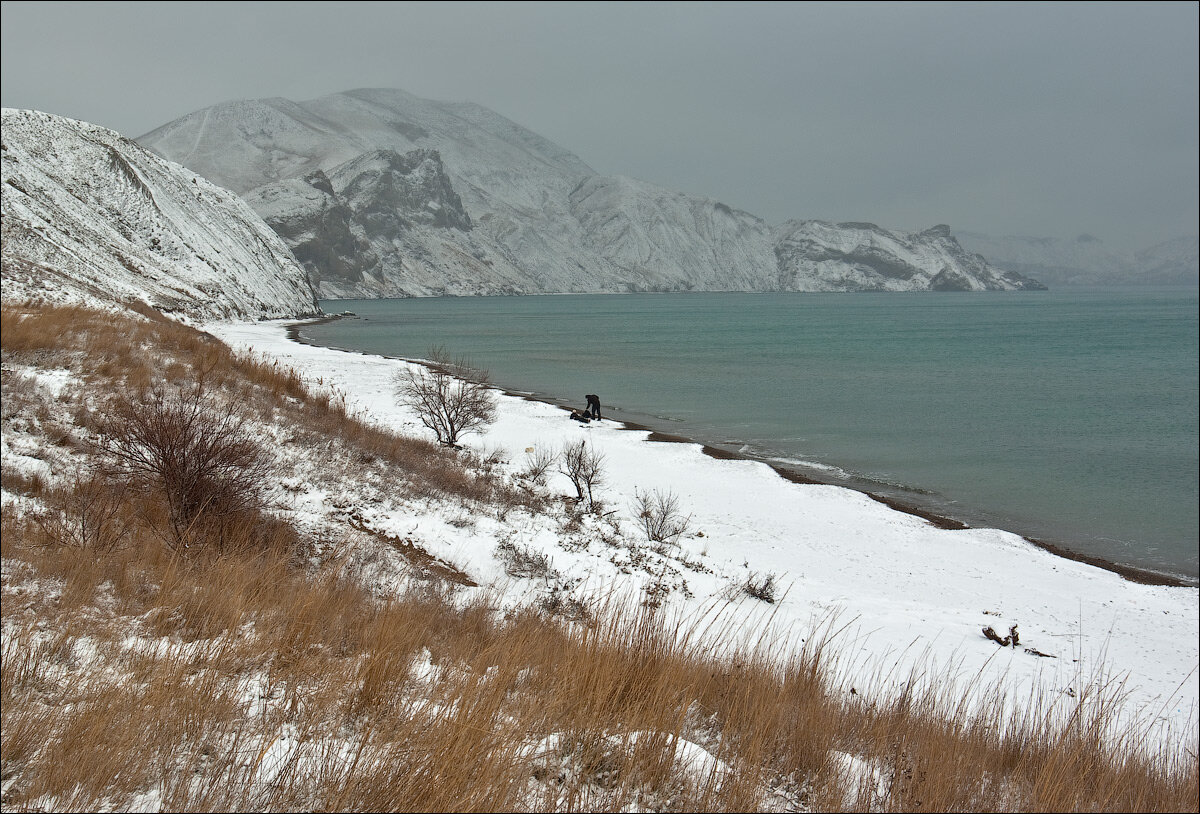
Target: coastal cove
{"type": "Point", "coordinates": [1138, 575]}
{"type": "Point", "coordinates": [1077, 410]}
{"type": "Point", "coordinates": [908, 597]}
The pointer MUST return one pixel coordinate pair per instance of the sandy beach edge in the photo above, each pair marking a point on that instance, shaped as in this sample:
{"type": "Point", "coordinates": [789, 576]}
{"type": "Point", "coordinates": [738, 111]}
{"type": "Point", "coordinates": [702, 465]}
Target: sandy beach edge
{"type": "Point", "coordinates": [1141, 576]}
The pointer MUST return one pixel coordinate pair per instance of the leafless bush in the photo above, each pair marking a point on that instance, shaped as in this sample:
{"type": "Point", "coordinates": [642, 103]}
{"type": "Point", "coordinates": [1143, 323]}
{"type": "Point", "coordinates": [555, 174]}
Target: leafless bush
{"type": "Point", "coordinates": [196, 452]}
{"type": "Point", "coordinates": [91, 515]}
{"type": "Point", "coordinates": [449, 396]}
{"type": "Point", "coordinates": [524, 562]}
{"type": "Point", "coordinates": [538, 462]}
{"type": "Point", "coordinates": [660, 516]}
{"type": "Point", "coordinates": [558, 601]}
{"type": "Point", "coordinates": [584, 466]}
{"type": "Point", "coordinates": [761, 586]}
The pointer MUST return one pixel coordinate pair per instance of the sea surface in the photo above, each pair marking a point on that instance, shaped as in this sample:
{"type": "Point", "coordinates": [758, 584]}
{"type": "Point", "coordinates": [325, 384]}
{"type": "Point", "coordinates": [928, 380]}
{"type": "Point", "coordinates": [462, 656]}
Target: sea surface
{"type": "Point", "coordinates": [1067, 416]}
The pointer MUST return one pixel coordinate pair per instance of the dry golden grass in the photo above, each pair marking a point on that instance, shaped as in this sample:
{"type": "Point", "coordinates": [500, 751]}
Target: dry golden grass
{"type": "Point", "coordinates": [122, 356]}
{"type": "Point", "coordinates": [240, 682]}
{"type": "Point", "coordinates": [239, 678]}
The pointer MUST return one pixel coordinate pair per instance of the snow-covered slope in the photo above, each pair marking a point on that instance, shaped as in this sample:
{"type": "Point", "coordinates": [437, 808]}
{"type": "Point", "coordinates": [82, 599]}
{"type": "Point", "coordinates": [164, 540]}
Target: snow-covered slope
{"type": "Point", "coordinates": [1086, 260]}
{"type": "Point", "coordinates": [534, 218]}
{"type": "Point", "coordinates": [818, 256]}
{"type": "Point", "coordinates": [668, 241]}
{"type": "Point", "coordinates": [90, 215]}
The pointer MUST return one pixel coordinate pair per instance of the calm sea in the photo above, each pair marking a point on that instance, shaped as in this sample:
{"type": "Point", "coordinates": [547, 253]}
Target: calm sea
{"type": "Point", "coordinates": [1068, 416]}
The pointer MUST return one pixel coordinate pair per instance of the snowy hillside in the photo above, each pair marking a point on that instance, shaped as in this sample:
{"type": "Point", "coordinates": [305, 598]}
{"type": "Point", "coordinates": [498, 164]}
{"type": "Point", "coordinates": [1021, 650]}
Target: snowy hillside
{"type": "Point", "coordinates": [1086, 260]}
{"type": "Point", "coordinates": [818, 256]}
{"type": "Point", "coordinates": [90, 215]}
{"type": "Point", "coordinates": [534, 218]}
{"type": "Point", "coordinates": [668, 241]}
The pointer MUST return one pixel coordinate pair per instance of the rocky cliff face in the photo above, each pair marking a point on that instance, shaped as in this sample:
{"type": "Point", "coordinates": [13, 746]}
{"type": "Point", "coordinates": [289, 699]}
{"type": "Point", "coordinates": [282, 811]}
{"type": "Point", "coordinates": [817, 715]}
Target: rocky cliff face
{"type": "Point", "coordinates": [389, 192]}
{"type": "Point", "coordinates": [91, 216]}
{"type": "Point", "coordinates": [418, 197]}
{"type": "Point", "coordinates": [384, 224]}
{"type": "Point", "coordinates": [317, 225]}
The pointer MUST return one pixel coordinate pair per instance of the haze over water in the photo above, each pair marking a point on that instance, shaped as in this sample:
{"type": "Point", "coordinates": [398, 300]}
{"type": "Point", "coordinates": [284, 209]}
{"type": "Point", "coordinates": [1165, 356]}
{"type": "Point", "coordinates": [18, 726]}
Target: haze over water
{"type": "Point", "coordinates": [1069, 416]}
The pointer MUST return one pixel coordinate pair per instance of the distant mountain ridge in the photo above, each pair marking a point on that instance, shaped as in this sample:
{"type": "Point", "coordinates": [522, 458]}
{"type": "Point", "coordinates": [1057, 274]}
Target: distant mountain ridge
{"type": "Point", "coordinates": [89, 215]}
{"type": "Point", "coordinates": [381, 193]}
{"type": "Point", "coordinates": [866, 257]}
{"type": "Point", "coordinates": [1086, 260]}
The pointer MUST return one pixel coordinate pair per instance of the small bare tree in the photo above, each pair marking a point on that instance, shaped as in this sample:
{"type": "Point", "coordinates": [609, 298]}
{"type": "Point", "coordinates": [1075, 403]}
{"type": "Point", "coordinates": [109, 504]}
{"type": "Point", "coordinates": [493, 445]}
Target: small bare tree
{"type": "Point", "coordinates": [660, 516]}
{"type": "Point", "coordinates": [89, 515]}
{"type": "Point", "coordinates": [197, 452]}
{"type": "Point", "coordinates": [584, 466]}
{"type": "Point", "coordinates": [449, 396]}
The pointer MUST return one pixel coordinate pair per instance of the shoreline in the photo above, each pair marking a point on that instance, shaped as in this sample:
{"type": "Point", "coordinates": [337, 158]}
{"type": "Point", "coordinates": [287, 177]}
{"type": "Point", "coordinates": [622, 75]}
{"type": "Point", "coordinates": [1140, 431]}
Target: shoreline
{"type": "Point", "coordinates": [1131, 573]}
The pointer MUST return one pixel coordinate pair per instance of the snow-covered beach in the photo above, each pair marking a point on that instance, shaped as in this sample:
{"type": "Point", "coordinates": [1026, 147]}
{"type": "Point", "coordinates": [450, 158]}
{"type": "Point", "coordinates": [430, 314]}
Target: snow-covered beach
{"type": "Point", "coordinates": [908, 598]}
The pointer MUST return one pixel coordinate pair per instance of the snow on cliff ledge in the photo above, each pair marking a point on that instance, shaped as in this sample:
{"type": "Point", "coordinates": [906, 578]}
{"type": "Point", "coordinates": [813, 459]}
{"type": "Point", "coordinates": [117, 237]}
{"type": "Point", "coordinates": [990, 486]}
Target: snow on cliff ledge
{"type": "Point", "coordinates": [89, 215]}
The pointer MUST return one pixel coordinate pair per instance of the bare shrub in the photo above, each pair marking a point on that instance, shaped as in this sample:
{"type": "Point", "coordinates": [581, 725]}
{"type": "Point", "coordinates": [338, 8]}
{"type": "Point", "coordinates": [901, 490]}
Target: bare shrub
{"type": "Point", "coordinates": [660, 516]}
{"type": "Point", "coordinates": [20, 391]}
{"type": "Point", "coordinates": [584, 466]}
{"type": "Point", "coordinates": [559, 602]}
{"type": "Point", "coordinates": [538, 462]}
{"type": "Point", "coordinates": [761, 586]}
{"type": "Point", "coordinates": [92, 515]}
{"type": "Point", "coordinates": [449, 396]}
{"type": "Point", "coordinates": [194, 451]}
{"type": "Point", "coordinates": [523, 562]}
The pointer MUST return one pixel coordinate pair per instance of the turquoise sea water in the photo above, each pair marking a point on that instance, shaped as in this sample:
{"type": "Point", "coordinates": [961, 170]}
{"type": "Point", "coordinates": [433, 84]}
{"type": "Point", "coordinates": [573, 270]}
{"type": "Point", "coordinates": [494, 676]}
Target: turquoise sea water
{"type": "Point", "coordinates": [1067, 416]}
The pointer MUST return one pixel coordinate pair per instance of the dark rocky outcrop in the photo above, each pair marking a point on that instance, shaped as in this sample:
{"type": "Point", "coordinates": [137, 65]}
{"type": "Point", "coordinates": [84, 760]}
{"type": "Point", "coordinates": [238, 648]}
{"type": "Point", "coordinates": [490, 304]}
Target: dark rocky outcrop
{"type": "Point", "coordinates": [318, 227]}
{"type": "Point", "coordinates": [389, 192]}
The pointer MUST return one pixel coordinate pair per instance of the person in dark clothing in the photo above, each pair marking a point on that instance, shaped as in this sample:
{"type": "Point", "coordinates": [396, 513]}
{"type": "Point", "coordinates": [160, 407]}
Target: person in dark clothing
{"type": "Point", "coordinates": [593, 406]}
{"type": "Point", "coordinates": [582, 418]}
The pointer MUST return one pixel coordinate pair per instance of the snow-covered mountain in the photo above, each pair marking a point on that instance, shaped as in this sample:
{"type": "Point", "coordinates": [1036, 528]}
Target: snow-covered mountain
{"type": "Point", "coordinates": [380, 193]}
{"type": "Point", "coordinates": [1086, 260]}
{"type": "Point", "coordinates": [90, 215]}
{"type": "Point", "coordinates": [818, 256]}
{"type": "Point", "coordinates": [659, 240]}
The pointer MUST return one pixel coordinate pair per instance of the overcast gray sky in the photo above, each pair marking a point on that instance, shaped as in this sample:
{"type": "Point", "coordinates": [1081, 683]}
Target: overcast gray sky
{"type": "Point", "coordinates": [1039, 119]}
